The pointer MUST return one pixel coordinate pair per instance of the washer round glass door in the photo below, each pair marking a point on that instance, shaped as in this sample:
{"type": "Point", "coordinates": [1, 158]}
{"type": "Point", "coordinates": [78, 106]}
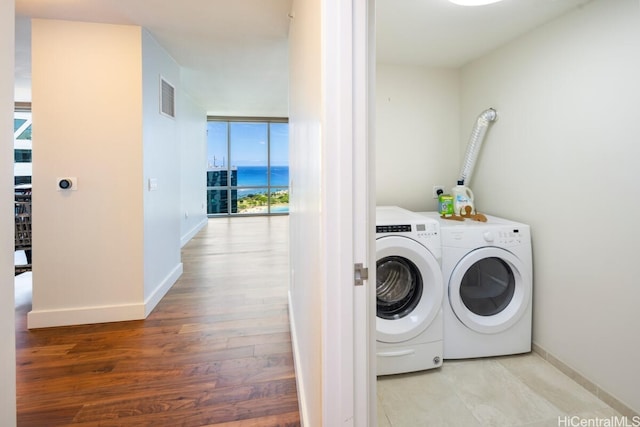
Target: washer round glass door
{"type": "Point", "coordinates": [489, 290]}
{"type": "Point", "coordinates": [409, 288]}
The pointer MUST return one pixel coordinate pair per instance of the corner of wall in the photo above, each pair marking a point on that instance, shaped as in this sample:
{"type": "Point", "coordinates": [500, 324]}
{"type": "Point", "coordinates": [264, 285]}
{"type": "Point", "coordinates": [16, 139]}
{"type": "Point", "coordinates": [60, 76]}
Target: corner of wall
{"type": "Point", "coordinates": [152, 301]}
{"type": "Point", "coordinates": [192, 232]}
{"type": "Point", "coordinates": [587, 384]}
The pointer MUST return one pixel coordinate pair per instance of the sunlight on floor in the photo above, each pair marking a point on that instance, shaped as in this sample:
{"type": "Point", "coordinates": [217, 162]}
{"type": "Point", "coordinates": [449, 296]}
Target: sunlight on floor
{"type": "Point", "coordinates": [22, 281]}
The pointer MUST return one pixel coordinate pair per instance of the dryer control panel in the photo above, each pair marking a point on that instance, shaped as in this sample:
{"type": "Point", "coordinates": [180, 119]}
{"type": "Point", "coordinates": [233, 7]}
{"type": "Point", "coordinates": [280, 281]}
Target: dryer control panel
{"type": "Point", "coordinates": [506, 237]}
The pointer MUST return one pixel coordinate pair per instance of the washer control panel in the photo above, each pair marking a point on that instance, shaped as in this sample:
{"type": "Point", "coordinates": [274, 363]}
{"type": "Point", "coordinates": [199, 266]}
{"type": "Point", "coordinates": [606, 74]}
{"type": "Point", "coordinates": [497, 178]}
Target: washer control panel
{"type": "Point", "coordinates": [406, 228]}
{"type": "Point", "coordinates": [427, 231]}
{"type": "Point", "coordinates": [422, 230]}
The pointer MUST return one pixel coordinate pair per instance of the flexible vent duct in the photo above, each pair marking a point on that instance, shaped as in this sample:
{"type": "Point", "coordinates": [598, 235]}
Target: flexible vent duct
{"type": "Point", "coordinates": [473, 148]}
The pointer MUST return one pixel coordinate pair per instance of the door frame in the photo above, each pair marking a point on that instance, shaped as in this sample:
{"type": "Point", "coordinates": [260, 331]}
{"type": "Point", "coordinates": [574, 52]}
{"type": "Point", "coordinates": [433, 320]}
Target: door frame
{"type": "Point", "coordinates": [349, 379]}
{"type": "Point", "coordinates": [7, 222]}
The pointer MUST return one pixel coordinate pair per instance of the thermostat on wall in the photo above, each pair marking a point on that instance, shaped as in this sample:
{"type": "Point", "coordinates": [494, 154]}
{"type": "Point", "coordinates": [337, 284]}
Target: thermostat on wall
{"type": "Point", "coordinates": [67, 183]}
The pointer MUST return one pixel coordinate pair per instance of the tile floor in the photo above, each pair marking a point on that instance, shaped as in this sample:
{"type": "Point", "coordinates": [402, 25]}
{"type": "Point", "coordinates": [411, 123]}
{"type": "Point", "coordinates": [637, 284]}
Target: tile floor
{"type": "Point", "coordinates": [508, 391]}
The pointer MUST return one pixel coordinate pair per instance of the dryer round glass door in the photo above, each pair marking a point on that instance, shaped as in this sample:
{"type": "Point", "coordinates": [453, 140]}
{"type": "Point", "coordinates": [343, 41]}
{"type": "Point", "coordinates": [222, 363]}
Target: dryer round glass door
{"type": "Point", "coordinates": [489, 290]}
{"type": "Point", "coordinates": [409, 288]}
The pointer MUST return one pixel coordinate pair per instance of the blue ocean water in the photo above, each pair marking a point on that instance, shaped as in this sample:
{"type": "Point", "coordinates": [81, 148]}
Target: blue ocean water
{"type": "Point", "coordinates": [257, 176]}
{"type": "Point", "coordinates": [253, 176]}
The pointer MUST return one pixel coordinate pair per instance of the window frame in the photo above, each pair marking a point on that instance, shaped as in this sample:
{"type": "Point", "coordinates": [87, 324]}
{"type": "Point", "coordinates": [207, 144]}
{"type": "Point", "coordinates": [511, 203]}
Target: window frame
{"type": "Point", "coordinates": [269, 189]}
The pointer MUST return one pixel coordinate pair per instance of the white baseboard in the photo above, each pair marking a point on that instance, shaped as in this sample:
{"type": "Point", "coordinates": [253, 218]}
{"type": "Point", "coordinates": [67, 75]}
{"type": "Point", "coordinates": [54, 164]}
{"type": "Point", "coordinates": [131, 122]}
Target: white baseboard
{"type": "Point", "coordinates": [162, 289]}
{"type": "Point", "coordinates": [84, 315]}
{"type": "Point", "coordinates": [302, 406]}
{"type": "Point", "coordinates": [103, 314]}
{"type": "Point", "coordinates": [587, 384]}
{"type": "Point", "coordinates": [189, 234]}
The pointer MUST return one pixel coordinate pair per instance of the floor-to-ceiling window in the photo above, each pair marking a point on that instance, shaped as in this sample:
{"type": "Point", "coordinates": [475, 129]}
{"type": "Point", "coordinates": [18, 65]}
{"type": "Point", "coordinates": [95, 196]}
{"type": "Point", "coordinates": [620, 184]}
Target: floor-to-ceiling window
{"type": "Point", "coordinates": [248, 166]}
{"type": "Point", "coordinates": [22, 146]}
{"type": "Point", "coordinates": [22, 158]}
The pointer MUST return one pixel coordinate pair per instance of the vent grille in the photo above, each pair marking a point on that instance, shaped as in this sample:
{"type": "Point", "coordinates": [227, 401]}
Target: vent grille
{"type": "Point", "coordinates": [167, 99]}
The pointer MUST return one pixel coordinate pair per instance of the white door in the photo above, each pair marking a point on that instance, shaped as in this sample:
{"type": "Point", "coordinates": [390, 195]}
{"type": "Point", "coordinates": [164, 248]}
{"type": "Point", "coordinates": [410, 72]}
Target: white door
{"type": "Point", "coordinates": [365, 396]}
{"type": "Point", "coordinates": [349, 37]}
{"type": "Point", "coordinates": [332, 210]}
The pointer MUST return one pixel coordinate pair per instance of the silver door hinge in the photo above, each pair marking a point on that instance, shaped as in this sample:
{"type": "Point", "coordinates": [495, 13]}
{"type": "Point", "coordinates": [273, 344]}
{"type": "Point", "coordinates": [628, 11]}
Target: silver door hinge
{"type": "Point", "coordinates": [360, 274]}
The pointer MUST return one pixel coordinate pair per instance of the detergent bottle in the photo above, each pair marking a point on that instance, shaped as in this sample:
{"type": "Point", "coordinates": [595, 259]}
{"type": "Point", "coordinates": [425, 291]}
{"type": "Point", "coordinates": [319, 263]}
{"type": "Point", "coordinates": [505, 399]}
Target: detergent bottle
{"type": "Point", "coordinates": [462, 197]}
{"type": "Point", "coordinates": [445, 205]}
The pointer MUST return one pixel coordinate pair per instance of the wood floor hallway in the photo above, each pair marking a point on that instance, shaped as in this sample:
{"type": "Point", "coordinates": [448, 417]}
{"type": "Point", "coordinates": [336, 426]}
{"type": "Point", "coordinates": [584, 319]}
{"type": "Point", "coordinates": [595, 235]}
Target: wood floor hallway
{"type": "Point", "coordinates": [216, 351]}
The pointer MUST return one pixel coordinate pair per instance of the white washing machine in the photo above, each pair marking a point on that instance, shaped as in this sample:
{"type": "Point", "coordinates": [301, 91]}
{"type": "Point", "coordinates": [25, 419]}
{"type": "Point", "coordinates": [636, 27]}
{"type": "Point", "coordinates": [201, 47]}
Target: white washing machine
{"type": "Point", "coordinates": [488, 275]}
{"type": "Point", "coordinates": [409, 292]}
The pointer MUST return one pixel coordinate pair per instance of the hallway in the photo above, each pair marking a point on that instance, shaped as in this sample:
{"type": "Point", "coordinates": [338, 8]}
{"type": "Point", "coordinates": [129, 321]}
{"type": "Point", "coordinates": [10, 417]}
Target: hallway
{"type": "Point", "coordinates": [216, 351]}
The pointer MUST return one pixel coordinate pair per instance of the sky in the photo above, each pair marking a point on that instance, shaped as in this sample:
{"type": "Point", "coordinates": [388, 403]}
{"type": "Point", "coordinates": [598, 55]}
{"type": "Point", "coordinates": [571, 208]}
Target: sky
{"type": "Point", "coordinates": [248, 143]}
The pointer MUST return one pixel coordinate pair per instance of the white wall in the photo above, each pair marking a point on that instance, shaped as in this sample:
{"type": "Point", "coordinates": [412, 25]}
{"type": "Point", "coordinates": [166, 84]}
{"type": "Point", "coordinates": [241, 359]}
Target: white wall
{"type": "Point", "coordinates": [91, 252]}
{"type": "Point", "coordinates": [7, 311]}
{"type": "Point", "coordinates": [305, 221]}
{"type": "Point", "coordinates": [193, 163]}
{"type": "Point", "coordinates": [111, 249]}
{"type": "Point", "coordinates": [87, 114]}
{"type": "Point", "coordinates": [161, 164]}
{"type": "Point", "coordinates": [417, 135]}
{"type": "Point", "coordinates": [564, 157]}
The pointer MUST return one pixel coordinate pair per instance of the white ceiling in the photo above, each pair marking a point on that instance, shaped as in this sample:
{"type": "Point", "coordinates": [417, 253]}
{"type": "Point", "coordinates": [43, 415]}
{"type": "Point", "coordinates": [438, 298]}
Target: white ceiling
{"type": "Point", "coordinates": [441, 34]}
{"type": "Point", "coordinates": [234, 52]}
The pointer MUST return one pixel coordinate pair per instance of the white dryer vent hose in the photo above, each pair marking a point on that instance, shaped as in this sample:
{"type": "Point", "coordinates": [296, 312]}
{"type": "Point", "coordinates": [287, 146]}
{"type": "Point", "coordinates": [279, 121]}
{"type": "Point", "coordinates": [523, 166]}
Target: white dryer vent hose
{"type": "Point", "coordinates": [473, 148]}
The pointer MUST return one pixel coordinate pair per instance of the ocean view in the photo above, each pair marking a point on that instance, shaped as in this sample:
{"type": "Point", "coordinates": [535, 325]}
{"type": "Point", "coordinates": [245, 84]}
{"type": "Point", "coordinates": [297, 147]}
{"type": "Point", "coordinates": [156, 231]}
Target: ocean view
{"type": "Point", "coordinates": [249, 186]}
{"type": "Point", "coordinates": [256, 176]}
{"type": "Point", "coordinates": [234, 184]}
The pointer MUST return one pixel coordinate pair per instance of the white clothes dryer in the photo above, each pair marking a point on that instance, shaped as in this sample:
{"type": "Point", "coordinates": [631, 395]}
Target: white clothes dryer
{"type": "Point", "coordinates": [488, 275]}
{"type": "Point", "coordinates": [409, 292]}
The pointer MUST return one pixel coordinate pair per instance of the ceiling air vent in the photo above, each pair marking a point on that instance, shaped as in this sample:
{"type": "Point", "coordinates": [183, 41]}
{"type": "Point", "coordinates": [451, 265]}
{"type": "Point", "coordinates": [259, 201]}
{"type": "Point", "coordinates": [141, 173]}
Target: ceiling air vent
{"type": "Point", "coordinates": [167, 98]}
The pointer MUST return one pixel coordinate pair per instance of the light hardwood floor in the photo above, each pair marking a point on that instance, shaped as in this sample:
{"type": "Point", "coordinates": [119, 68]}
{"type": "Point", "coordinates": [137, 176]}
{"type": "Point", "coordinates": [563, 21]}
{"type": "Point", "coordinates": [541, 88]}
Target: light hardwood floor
{"type": "Point", "coordinates": [216, 351]}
